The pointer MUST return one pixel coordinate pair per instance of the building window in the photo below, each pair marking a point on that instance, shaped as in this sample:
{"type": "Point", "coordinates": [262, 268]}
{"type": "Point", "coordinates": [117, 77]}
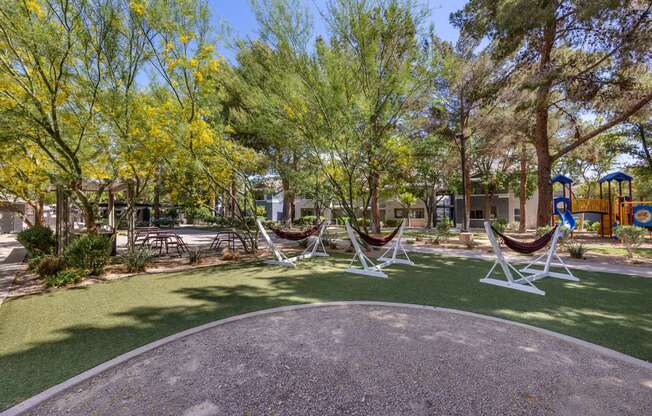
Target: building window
{"type": "Point", "coordinates": [399, 213]}
{"type": "Point", "coordinates": [517, 214]}
{"type": "Point", "coordinates": [417, 213]}
{"type": "Point", "coordinates": [477, 214]}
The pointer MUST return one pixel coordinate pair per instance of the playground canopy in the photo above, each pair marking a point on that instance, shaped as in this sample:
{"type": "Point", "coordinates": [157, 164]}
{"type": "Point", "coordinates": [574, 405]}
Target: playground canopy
{"type": "Point", "coordinates": [564, 180]}
{"type": "Point", "coordinates": [616, 176]}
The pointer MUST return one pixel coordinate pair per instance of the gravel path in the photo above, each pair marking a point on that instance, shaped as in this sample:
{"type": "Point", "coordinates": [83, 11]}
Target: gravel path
{"type": "Point", "coordinates": [364, 360]}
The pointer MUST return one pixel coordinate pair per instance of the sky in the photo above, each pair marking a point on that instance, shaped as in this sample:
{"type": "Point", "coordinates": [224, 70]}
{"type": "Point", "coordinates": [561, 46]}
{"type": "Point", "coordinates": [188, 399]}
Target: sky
{"type": "Point", "coordinates": [238, 17]}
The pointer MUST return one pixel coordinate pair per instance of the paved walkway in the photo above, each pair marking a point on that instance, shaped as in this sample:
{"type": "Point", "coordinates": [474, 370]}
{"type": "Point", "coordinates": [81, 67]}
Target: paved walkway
{"type": "Point", "coordinates": [8, 271]}
{"type": "Point", "coordinates": [365, 360]}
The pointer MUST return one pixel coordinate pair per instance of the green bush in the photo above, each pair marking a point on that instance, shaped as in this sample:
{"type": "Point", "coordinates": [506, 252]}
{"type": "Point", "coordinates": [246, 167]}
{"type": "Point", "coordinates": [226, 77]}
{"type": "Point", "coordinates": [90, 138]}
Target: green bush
{"type": "Point", "coordinates": [363, 222]}
{"type": "Point", "coordinates": [500, 224]}
{"type": "Point", "coordinates": [543, 230]}
{"type": "Point", "coordinates": [631, 236]}
{"type": "Point", "coordinates": [136, 260]}
{"type": "Point", "coordinates": [49, 266]}
{"type": "Point", "coordinates": [306, 220]}
{"type": "Point", "coordinates": [195, 255]}
{"type": "Point", "coordinates": [595, 227]}
{"type": "Point", "coordinates": [65, 277]}
{"type": "Point", "coordinates": [88, 252]}
{"type": "Point", "coordinates": [576, 249]}
{"type": "Point", "coordinates": [33, 262]}
{"type": "Point", "coordinates": [391, 222]}
{"type": "Point", "coordinates": [342, 220]}
{"type": "Point", "coordinates": [38, 240]}
{"type": "Point", "coordinates": [442, 229]}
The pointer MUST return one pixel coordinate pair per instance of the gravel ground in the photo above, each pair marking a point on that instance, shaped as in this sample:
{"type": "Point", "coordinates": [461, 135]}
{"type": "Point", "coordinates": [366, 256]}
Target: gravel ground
{"type": "Point", "coordinates": [364, 360]}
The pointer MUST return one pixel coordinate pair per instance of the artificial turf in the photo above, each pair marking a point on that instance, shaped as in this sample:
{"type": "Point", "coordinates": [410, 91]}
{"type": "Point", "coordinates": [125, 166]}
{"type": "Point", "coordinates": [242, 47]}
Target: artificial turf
{"type": "Point", "coordinates": [48, 338]}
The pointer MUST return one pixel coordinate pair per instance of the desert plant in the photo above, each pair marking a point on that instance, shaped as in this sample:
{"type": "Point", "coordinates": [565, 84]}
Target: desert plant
{"type": "Point", "coordinates": [65, 277]}
{"type": "Point", "coordinates": [49, 266]}
{"type": "Point", "coordinates": [500, 224]}
{"type": "Point", "coordinates": [38, 240]}
{"type": "Point", "coordinates": [195, 255]}
{"type": "Point", "coordinates": [88, 252]}
{"type": "Point", "coordinates": [228, 254]}
{"type": "Point", "coordinates": [137, 259]}
{"type": "Point", "coordinates": [33, 262]}
{"type": "Point", "coordinates": [391, 222]}
{"type": "Point", "coordinates": [576, 249]}
{"type": "Point", "coordinates": [306, 220]}
{"type": "Point", "coordinates": [631, 236]}
{"type": "Point", "coordinates": [443, 229]}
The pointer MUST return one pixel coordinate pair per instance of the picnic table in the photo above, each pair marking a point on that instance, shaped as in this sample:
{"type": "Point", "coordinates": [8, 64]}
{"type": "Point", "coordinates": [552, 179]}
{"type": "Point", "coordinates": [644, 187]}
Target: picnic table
{"type": "Point", "coordinates": [229, 238]}
{"type": "Point", "coordinates": [160, 239]}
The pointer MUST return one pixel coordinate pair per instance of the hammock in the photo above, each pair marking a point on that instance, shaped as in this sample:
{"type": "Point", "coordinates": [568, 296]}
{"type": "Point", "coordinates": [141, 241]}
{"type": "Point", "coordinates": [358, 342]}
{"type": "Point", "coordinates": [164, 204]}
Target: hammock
{"type": "Point", "coordinates": [296, 235]}
{"type": "Point", "coordinates": [378, 242]}
{"type": "Point", "coordinates": [526, 247]}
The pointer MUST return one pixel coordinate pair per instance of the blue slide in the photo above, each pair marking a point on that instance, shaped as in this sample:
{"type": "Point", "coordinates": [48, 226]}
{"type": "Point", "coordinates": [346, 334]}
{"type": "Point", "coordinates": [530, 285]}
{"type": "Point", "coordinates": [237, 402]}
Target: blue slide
{"type": "Point", "coordinates": [565, 216]}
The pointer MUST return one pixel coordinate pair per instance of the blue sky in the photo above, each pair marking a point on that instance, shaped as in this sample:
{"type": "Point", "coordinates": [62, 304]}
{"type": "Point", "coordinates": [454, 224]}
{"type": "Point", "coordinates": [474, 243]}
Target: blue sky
{"type": "Point", "coordinates": [238, 16]}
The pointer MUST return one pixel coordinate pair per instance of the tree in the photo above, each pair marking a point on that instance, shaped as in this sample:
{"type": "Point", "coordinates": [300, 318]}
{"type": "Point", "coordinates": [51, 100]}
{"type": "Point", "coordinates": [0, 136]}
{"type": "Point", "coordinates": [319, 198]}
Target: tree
{"type": "Point", "coordinates": [466, 93]}
{"type": "Point", "coordinates": [407, 200]}
{"type": "Point", "coordinates": [52, 66]}
{"type": "Point", "coordinates": [577, 54]}
{"type": "Point", "coordinates": [378, 43]}
{"type": "Point", "coordinates": [433, 166]}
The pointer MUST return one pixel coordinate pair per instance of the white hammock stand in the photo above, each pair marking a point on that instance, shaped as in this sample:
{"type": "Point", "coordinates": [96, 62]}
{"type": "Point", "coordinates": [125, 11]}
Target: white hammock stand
{"type": "Point", "coordinates": [315, 248]}
{"type": "Point", "coordinates": [527, 275]}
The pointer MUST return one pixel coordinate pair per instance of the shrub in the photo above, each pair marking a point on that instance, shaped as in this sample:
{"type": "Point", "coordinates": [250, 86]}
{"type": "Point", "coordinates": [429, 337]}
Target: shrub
{"type": "Point", "coordinates": [543, 230]}
{"type": "Point", "coordinates": [306, 220]}
{"type": "Point", "coordinates": [228, 254]}
{"type": "Point", "coordinates": [38, 240]}
{"type": "Point", "coordinates": [195, 255]}
{"type": "Point", "coordinates": [500, 224]}
{"type": "Point", "coordinates": [65, 277]}
{"type": "Point", "coordinates": [342, 220]}
{"type": "Point", "coordinates": [136, 260]}
{"type": "Point", "coordinates": [391, 222]}
{"type": "Point", "coordinates": [363, 222]}
{"type": "Point", "coordinates": [49, 266]}
{"type": "Point", "coordinates": [33, 262]}
{"type": "Point", "coordinates": [88, 252]}
{"type": "Point", "coordinates": [443, 229]}
{"type": "Point", "coordinates": [576, 249]}
{"type": "Point", "coordinates": [595, 227]}
{"type": "Point", "coordinates": [410, 241]}
{"type": "Point", "coordinates": [631, 236]}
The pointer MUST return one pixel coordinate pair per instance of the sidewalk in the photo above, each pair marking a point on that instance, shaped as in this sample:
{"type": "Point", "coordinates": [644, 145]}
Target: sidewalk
{"type": "Point", "coordinates": [8, 271]}
{"type": "Point", "coordinates": [573, 264]}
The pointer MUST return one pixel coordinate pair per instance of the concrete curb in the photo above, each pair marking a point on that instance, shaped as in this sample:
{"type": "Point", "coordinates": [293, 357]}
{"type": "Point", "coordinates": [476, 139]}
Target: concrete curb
{"type": "Point", "coordinates": [59, 388]}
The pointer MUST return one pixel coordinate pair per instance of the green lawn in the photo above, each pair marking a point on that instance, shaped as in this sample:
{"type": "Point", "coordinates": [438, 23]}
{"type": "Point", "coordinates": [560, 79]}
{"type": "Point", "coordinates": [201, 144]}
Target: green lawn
{"type": "Point", "coordinates": [48, 338]}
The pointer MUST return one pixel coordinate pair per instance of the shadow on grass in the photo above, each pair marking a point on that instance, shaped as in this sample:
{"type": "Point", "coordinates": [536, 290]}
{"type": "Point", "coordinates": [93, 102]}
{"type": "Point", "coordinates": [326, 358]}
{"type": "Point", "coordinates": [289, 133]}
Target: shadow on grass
{"type": "Point", "coordinates": [613, 311]}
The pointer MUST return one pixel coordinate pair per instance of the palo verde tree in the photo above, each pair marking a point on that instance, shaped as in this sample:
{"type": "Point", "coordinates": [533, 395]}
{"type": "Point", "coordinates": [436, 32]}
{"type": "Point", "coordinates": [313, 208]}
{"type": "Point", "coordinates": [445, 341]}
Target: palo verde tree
{"type": "Point", "coordinates": [578, 55]}
{"type": "Point", "coordinates": [52, 70]}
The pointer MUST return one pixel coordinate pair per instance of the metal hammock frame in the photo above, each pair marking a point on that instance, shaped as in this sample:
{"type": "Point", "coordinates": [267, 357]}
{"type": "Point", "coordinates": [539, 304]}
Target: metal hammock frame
{"type": "Point", "coordinates": [368, 267]}
{"type": "Point", "coordinates": [525, 277]}
{"type": "Point", "coordinates": [315, 248]}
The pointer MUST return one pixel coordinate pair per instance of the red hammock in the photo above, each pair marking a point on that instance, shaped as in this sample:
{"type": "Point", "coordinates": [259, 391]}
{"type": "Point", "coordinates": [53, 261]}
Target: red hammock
{"type": "Point", "coordinates": [378, 242]}
{"type": "Point", "coordinates": [524, 247]}
{"type": "Point", "coordinates": [297, 235]}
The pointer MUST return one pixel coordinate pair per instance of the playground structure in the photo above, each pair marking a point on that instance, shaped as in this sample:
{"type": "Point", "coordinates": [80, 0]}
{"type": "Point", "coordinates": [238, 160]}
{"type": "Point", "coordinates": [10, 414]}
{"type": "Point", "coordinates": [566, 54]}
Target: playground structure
{"type": "Point", "coordinates": [613, 208]}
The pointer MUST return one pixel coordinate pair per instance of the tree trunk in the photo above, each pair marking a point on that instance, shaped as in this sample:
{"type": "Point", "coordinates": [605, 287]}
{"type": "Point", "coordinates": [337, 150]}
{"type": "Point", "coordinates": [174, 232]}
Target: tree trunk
{"type": "Point", "coordinates": [157, 195]}
{"type": "Point", "coordinates": [541, 138]}
{"type": "Point", "coordinates": [287, 202]}
{"type": "Point", "coordinates": [522, 191]}
{"type": "Point", "coordinates": [488, 196]}
{"type": "Point", "coordinates": [375, 201]}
